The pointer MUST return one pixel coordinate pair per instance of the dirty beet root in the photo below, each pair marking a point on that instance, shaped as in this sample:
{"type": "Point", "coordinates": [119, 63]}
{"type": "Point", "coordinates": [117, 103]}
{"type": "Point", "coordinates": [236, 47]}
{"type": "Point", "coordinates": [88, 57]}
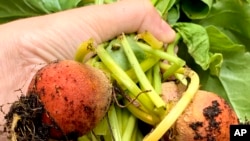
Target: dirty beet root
{"type": "Point", "coordinates": [23, 121]}
{"type": "Point", "coordinates": [207, 118]}
{"type": "Point", "coordinates": [65, 100]}
{"type": "Point", "coordinates": [210, 113]}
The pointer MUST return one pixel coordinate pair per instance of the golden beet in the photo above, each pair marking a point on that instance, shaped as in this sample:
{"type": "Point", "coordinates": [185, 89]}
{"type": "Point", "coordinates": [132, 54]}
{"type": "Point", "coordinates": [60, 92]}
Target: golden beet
{"type": "Point", "coordinates": [75, 97]}
{"type": "Point", "coordinates": [207, 117]}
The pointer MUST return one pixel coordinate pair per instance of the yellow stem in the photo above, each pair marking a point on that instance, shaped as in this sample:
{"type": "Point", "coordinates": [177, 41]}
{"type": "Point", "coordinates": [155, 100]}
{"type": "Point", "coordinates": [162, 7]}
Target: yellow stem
{"type": "Point", "coordinates": [177, 110]}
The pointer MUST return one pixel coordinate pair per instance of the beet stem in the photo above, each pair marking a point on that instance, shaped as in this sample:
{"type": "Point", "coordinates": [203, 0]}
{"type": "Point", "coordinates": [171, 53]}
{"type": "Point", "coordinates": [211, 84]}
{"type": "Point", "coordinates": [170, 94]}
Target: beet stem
{"type": "Point", "coordinates": [177, 110]}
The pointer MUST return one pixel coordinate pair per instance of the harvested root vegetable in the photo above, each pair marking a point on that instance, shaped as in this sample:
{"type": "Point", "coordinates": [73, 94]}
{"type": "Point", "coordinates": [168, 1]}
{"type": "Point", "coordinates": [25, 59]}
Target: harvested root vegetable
{"type": "Point", "coordinates": [208, 117]}
{"type": "Point", "coordinates": [75, 97]}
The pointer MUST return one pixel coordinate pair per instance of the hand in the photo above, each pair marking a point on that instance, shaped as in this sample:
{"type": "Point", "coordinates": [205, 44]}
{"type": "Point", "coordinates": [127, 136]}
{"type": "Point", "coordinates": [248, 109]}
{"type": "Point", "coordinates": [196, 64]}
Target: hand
{"type": "Point", "coordinates": [28, 44]}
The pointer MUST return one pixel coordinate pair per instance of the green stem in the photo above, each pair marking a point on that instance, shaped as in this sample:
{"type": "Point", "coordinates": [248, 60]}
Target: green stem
{"type": "Point", "coordinates": [176, 61]}
{"type": "Point", "coordinates": [156, 99]}
{"type": "Point", "coordinates": [171, 47]}
{"type": "Point", "coordinates": [145, 65]}
{"type": "Point", "coordinates": [177, 110]}
{"type": "Point", "coordinates": [178, 73]}
{"type": "Point", "coordinates": [127, 134]}
{"type": "Point", "coordinates": [161, 54]}
{"type": "Point", "coordinates": [109, 1]}
{"type": "Point", "coordinates": [122, 78]}
{"type": "Point", "coordinates": [84, 138]}
{"type": "Point", "coordinates": [136, 132]}
{"type": "Point", "coordinates": [142, 115]}
{"type": "Point", "coordinates": [125, 117]}
{"type": "Point", "coordinates": [114, 124]}
{"type": "Point", "coordinates": [154, 2]}
{"type": "Point", "coordinates": [173, 68]}
{"type": "Point", "coordinates": [171, 51]}
{"type": "Point", "coordinates": [99, 2]}
{"type": "Point", "coordinates": [164, 66]}
{"type": "Point", "coordinates": [139, 136]}
{"type": "Point", "coordinates": [149, 75]}
{"type": "Point", "coordinates": [150, 39]}
{"type": "Point", "coordinates": [157, 78]}
{"type": "Point", "coordinates": [119, 114]}
{"type": "Point", "coordinates": [181, 78]}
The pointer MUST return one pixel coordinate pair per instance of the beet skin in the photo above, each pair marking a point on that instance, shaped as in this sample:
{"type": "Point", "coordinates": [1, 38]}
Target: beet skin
{"type": "Point", "coordinates": [75, 97]}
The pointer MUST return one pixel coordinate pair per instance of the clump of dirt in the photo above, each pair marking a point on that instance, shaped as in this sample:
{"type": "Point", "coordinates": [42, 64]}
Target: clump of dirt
{"type": "Point", "coordinates": [210, 113]}
{"type": "Point", "coordinates": [24, 120]}
{"type": "Point", "coordinates": [195, 126]}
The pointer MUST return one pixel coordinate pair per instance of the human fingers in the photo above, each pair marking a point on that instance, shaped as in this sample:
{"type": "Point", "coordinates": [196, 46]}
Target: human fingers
{"type": "Point", "coordinates": [126, 16]}
{"type": "Point", "coordinates": [58, 35]}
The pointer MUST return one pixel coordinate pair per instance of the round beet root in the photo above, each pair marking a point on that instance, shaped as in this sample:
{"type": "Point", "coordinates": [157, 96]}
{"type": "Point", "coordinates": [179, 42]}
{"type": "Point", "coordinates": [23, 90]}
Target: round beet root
{"type": "Point", "coordinates": [75, 97]}
{"type": "Point", "coordinates": [207, 118]}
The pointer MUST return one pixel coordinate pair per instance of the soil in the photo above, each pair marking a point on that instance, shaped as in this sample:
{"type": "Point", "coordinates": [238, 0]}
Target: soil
{"type": "Point", "coordinates": [23, 121]}
{"type": "Point", "coordinates": [210, 113]}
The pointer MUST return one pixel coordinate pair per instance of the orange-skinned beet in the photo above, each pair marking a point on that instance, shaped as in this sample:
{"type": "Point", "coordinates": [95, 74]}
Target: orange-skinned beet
{"type": "Point", "coordinates": [207, 117]}
{"type": "Point", "coordinates": [75, 97]}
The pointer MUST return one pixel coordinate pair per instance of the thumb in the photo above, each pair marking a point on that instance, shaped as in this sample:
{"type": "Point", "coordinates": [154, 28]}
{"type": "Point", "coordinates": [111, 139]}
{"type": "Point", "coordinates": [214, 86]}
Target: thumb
{"type": "Point", "coordinates": [58, 35]}
{"type": "Point", "coordinates": [107, 21]}
{"type": "Point", "coordinates": [127, 16]}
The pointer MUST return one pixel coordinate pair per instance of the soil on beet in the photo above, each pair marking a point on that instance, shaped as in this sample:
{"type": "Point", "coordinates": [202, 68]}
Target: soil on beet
{"type": "Point", "coordinates": [210, 113]}
{"type": "Point", "coordinates": [23, 121]}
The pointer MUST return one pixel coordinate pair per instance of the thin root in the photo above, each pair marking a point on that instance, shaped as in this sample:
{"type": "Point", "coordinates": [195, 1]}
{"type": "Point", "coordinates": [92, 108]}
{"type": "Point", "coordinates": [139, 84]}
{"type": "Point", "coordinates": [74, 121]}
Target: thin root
{"type": "Point", "coordinates": [131, 100]}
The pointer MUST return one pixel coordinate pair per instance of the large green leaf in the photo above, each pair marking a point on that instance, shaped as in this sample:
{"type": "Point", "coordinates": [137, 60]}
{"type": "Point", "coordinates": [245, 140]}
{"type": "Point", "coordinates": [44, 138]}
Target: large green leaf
{"type": "Point", "coordinates": [196, 39]}
{"type": "Point", "coordinates": [15, 9]}
{"type": "Point", "coordinates": [220, 42]}
{"type": "Point", "coordinates": [59, 5]}
{"type": "Point", "coordinates": [173, 14]}
{"type": "Point", "coordinates": [233, 18]}
{"type": "Point", "coordinates": [117, 52]}
{"type": "Point", "coordinates": [18, 8]}
{"type": "Point", "coordinates": [227, 25]}
{"type": "Point", "coordinates": [163, 6]}
{"type": "Point", "coordinates": [233, 82]}
{"type": "Point", "coordinates": [196, 9]}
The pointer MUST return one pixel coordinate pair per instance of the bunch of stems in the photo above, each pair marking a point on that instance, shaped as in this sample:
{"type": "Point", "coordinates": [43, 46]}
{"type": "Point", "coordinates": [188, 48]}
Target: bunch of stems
{"type": "Point", "coordinates": [141, 82]}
